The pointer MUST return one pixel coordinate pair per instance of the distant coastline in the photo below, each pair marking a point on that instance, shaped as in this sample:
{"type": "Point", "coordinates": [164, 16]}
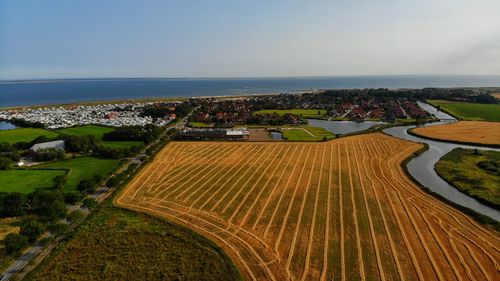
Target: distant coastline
{"type": "Point", "coordinates": [32, 92]}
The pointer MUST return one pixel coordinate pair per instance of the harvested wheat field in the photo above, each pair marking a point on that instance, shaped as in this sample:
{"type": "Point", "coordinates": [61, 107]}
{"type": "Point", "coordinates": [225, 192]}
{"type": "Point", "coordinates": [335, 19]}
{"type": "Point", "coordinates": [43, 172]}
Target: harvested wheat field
{"type": "Point", "coordinates": [338, 210]}
{"type": "Point", "coordinates": [486, 133]}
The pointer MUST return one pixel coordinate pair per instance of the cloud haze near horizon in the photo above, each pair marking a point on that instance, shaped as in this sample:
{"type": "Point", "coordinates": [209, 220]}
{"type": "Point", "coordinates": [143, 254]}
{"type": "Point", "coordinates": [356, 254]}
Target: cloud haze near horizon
{"type": "Point", "coordinates": [90, 38]}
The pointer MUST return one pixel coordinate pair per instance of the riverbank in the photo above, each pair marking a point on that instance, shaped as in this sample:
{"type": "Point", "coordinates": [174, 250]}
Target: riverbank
{"type": "Point", "coordinates": [474, 173]}
{"type": "Point", "coordinates": [480, 218]}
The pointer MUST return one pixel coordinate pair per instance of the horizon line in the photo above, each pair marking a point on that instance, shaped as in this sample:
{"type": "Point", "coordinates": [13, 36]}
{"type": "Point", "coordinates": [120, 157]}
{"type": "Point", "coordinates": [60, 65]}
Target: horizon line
{"type": "Point", "coordinates": [231, 77]}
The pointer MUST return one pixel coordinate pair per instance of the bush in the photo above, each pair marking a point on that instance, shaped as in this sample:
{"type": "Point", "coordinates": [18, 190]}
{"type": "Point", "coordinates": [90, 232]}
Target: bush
{"type": "Point", "coordinates": [48, 154]}
{"type": "Point", "coordinates": [75, 216]}
{"type": "Point", "coordinates": [85, 186]}
{"type": "Point", "coordinates": [59, 182]}
{"type": "Point", "coordinates": [12, 204]}
{"type": "Point", "coordinates": [81, 144]}
{"type": "Point", "coordinates": [72, 198]}
{"type": "Point", "coordinates": [48, 204]}
{"type": "Point", "coordinates": [14, 242]}
{"type": "Point", "coordinates": [4, 163]}
{"type": "Point", "coordinates": [89, 203]}
{"type": "Point", "coordinates": [31, 229]}
{"type": "Point", "coordinates": [113, 181]}
{"type": "Point", "coordinates": [490, 166]}
{"type": "Point", "coordinates": [58, 228]}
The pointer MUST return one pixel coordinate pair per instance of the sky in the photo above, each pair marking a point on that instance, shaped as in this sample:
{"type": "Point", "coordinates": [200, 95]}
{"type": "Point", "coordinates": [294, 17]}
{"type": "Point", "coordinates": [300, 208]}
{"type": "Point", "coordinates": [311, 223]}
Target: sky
{"type": "Point", "coordinates": [195, 38]}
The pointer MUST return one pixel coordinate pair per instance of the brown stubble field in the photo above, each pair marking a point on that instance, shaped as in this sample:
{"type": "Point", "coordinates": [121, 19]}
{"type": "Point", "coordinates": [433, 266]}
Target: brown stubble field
{"type": "Point", "coordinates": [479, 132]}
{"type": "Point", "coordinates": [338, 210]}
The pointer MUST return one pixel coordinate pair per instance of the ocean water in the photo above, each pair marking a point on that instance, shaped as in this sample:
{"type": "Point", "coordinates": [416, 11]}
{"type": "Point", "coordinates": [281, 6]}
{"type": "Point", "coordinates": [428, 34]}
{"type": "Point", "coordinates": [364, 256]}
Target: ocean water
{"type": "Point", "coordinates": [70, 91]}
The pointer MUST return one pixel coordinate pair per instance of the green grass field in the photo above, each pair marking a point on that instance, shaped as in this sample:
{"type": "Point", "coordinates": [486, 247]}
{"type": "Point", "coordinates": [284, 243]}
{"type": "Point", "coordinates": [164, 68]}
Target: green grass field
{"type": "Point", "coordinates": [98, 132]}
{"type": "Point", "coordinates": [470, 111]}
{"type": "Point", "coordinates": [26, 181]}
{"type": "Point", "coordinates": [300, 134]}
{"type": "Point", "coordinates": [200, 125]}
{"type": "Point", "coordinates": [83, 168]}
{"type": "Point", "coordinates": [461, 168]}
{"type": "Point", "coordinates": [306, 113]}
{"type": "Point", "coordinates": [117, 244]}
{"type": "Point", "coordinates": [24, 134]}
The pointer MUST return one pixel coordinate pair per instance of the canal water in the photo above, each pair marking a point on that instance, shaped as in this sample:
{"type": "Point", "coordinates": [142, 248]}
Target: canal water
{"type": "Point", "coordinates": [422, 167]}
{"type": "Point", "coordinates": [343, 127]}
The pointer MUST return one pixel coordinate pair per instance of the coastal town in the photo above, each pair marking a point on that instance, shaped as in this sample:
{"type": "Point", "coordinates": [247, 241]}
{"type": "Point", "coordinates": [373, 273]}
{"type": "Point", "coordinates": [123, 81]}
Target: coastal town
{"type": "Point", "coordinates": [112, 115]}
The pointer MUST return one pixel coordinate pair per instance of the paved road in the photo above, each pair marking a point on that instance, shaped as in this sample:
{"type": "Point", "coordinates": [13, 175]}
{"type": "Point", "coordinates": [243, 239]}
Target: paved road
{"type": "Point", "coordinates": [22, 261]}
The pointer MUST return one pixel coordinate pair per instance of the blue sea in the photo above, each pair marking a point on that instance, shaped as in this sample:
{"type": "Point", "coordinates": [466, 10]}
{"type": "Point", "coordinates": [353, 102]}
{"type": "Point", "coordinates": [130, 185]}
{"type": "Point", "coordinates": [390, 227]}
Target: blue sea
{"type": "Point", "coordinates": [39, 92]}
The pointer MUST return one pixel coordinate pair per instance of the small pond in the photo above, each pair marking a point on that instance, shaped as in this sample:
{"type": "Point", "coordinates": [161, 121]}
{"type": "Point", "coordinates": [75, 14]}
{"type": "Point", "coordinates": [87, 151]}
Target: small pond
{"type": "Point", "coordinates": [343, 127]}
{"type": "Point", "coordinates": [4, 125]}
{"type": "Point", "coordinates": [276, 136]}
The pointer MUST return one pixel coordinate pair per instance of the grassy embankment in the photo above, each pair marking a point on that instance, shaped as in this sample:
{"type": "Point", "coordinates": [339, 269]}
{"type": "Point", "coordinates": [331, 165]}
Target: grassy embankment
{"type": "Point", "coordinates": [306, 113]}
{"type": "Point", "coordinates": [469, 111]}
{"type": "Point", "coordinates": [117, 244]}
{"type": "Point", "coordinates": [476, 174]}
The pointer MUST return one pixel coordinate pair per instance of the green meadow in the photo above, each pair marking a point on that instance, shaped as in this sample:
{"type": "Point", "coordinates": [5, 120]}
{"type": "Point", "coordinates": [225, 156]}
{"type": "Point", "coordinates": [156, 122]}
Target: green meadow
{"type": "Point", "coordinates": [26, 181]}
{"type": "Point", "coordinates": [82, 168]}
{"type": "Point", "coordinates": [98, 132]}
{"type": "Point", "coordinates": [470, 111]}
{"type": "Point", "coordinates": [117, 244]}
{"type": "Point", "coordinates": [25, 134]}
{"type": "Point", "coordinates": [474, 173]}
{"type": "Point", "coordinates": [306, 113]}
{"type": "Point", "coordinates": [306, 133]}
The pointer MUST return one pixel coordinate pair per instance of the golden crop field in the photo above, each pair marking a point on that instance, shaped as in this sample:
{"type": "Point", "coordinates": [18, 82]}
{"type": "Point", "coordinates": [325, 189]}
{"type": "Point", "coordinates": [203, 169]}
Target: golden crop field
{"type": "Point", "coordinates": [464, 131]}
{"type": "Point", "coordinates": [338, 210]}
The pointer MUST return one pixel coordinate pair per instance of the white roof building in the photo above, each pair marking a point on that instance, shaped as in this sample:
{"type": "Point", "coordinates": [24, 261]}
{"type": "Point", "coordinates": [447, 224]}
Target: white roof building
{"type": "Point", "coordinates": [58, 144]}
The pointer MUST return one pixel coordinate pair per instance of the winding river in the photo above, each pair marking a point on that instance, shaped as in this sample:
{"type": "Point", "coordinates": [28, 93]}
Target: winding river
{"type": "Point", "coordinates": [422, 167]}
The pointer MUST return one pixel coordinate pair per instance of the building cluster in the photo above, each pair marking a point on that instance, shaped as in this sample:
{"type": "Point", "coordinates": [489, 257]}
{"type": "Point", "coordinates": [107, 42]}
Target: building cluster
{"type": "Point", "coordinates": [372, 109]}
{"type": "Point", "coordinates": [113, 115]}
{"type": "Point", "coordinates": [357, 105]}
{"type": "Point", "coordinates": [213, 134]}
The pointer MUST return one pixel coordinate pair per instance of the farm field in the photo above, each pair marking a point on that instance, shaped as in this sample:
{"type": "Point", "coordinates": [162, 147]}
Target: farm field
{"type": "Point", "coordinates": [24, 134]}
{"type": "Point", "coordinates": [470, 111]}
{"type": "Point", "coordinates": [338, 210]}
{"type": "Point", "coordinates": [98, 132]}
{"type": "Point", "coordinates": [82, 168]}
{"type": "Point", "coordinates": [117, 244]}
{"type": "Point", "coordinates": [306, 113]}
{"type": "Point", "coordinates": [474, 173]}
{"type": "Point", "coordinates": [477, 132]}
{"type": "Point", "coordinates": [26, 181]}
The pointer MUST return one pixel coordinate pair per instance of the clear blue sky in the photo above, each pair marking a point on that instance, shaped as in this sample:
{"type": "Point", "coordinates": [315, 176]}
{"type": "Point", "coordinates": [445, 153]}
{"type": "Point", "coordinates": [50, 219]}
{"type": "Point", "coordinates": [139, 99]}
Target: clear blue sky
{"type": "Point", "coordinates": [148, 38]}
